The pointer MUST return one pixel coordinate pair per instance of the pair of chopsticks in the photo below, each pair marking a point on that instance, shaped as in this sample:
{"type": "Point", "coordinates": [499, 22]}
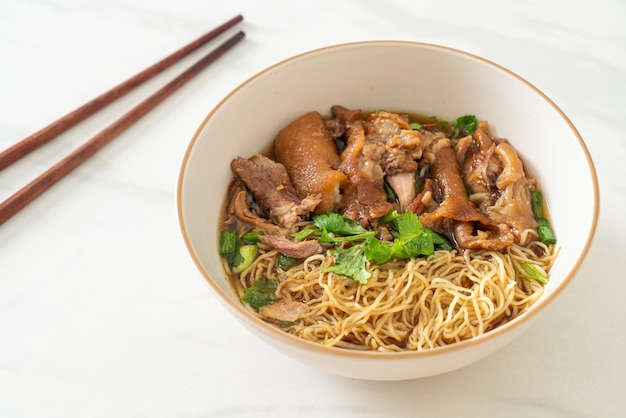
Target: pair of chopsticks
{"type": "Point", "coordinates": [32, 190]}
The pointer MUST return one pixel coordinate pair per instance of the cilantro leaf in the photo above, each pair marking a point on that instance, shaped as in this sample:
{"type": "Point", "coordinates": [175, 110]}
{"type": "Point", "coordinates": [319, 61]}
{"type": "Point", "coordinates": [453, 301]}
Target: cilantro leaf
{"type": "Point", "coordinates": [337, 224]}
{"type": "Point", "coordinates": [441, 243]}
{"type": "Point", "coordinates": [418, 245]}
{"type": "Point", "coordinates": [464, 126]}
{"type": "Point", "coordinates": [377, 251]}
{"type": "Point", "coordinates": [351, 262]}
{"type": "Point", "coordinates": [326, 237]}
{"type": "Point", "coordinates": [229, 242]}
{"type": "Point", "coordinates": [409, 225]}
{"type": "Point", "coordinates": [260, 293]}
{"type": "Point", "coordinates": [413, 240]}
{"type": "Point", "coordinates": [286, 262]}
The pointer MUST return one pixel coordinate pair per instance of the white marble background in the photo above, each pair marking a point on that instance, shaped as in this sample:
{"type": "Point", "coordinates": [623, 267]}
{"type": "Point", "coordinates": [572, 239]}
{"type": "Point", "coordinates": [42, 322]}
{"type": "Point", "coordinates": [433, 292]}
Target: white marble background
{"type": "Point", "coordinates": [102, 312]}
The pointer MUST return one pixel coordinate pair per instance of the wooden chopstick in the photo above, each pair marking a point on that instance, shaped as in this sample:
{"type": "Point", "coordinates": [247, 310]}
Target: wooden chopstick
{"type": "Point", "coordinates": [29, 144]}
{"type": "Point", "coordinates": [32, 190]}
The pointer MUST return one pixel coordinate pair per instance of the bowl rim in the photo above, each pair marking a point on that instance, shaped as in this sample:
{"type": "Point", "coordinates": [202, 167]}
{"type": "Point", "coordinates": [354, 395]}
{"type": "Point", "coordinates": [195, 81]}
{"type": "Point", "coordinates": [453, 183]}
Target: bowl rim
{"type": "Point", "coordinates": [249, 318]}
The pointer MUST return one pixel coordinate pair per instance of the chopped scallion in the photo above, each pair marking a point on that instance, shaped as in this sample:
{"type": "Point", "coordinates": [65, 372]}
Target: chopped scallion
{"type": "Point", "coordinates": [533, 273]}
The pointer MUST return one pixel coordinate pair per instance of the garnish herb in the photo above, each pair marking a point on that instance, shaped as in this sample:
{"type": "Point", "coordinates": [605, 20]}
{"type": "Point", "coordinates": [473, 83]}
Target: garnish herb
{"type": "Point", "coordinates": [252, 236]}
{"type": "Point", "coordinates": [326, 237]}
{"type": "Point", "coordinates": [351, 263]}
{"type": "Point", "coordinates": [533, 273]}
{"type": "Point", "coordinates": [238, 255]}
{"type": "Point", "coordinates": [337, 224]}
{"type": "Point", "coordinates": [286, 262]}
{"type": "Point", "coordinates": [389, 217]}
{"type": "Point", "coordinates": [243, 258]}
{"type": "Point", "coordinates": [546, 233]}
{"type": "Point", "coordinates": [464, 126]}
{"type": "Point", "coordinates": [413, 240]}
{"type": "Point", "coordinates": [300, 235]}
{"type": "Point", "coordinates": [420, 178]}
{"type": "Point", "coordinates": [228, 242]}
{"type": "Point", "coordinates": [391, 194]}
{"type": "Point", "coordinates": [377, 251]}
{"type": "Point", "coordinates": [415, 125]}
{"type": "Point", "coordinates": [441, 243]}
{"type": "Point", "coordinates": [260, 293]}
{"type": "Point", "coordinates": [537, 202]}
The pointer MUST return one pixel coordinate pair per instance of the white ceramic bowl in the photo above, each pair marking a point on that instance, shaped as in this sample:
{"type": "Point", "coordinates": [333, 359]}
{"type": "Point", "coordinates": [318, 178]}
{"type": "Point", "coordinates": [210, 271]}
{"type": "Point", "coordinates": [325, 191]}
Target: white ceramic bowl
{"type": "Point", "coordinates": [402, 76]}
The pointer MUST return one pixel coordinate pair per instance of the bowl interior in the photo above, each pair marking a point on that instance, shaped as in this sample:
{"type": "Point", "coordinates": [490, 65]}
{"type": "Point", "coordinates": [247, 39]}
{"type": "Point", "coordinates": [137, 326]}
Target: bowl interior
{"type": "Point", "coordinates": [397, 76]}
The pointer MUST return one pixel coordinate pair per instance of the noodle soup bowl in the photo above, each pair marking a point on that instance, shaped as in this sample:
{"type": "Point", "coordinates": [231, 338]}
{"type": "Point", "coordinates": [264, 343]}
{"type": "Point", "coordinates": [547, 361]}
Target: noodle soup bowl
{"type": "Point", "coordinates": [400, 76]}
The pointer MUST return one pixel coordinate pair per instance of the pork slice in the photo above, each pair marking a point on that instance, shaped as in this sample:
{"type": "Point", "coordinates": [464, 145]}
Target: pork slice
{"type": "Point", "coordinates": [269, 183]}
{"type": "Point", "coordinates": [284, 310]}
{"type": "Point", "coordinates": [291, 248]}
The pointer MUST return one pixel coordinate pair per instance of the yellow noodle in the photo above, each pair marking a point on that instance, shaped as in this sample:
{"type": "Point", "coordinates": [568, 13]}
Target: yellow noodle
{"type": "Point", "coordinates": [413, 304]}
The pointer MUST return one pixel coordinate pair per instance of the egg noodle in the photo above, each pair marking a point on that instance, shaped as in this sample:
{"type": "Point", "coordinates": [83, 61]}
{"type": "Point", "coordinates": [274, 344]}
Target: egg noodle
{"type": "Point", "coordinates": [414, 304]}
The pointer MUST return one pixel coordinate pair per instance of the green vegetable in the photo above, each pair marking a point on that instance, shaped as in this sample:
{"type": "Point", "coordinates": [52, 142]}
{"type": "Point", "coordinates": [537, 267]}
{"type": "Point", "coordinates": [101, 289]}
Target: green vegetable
{"type": "Point", "coordinates": [420, 178]}
{"type": "Point", "coordinates": [337, 224]}
{"type": "Point", "coordinates": [442, 125]}
{"type": "Point", "coordinates": [391, 194]}
{"type": "Point", "coordinates": [377, 251]}
{"type": "Point", "coordinates": [533, 273]}
{"type": "Point", "coordinates": [286, 262]}
{"type": "Point", "coordinates": [415, 125]}
{"type": "Point", "coordinates": [238, 255]}
{"type": "Point", "coordinates": [351, 262]}
{"type": "Point", "coordinates": [546, 234]}
{"type": "Point", "coordinates": [252, 236]}
{"type": "Point", "coordinates": [418, 245]}
{"type": "Point", "coordinates": [260, 293]}
{"type": "Point", "coordinates": [464, 125]}
{"type": "Point", "coordinates": [326, 237]}
{"type": "Point", "coordinates": [228, 242]}
{"type": "Point", "coordinates": [393, 214]}
{"type": "Point", "coordinates": [537, 202]}
{"type": "Point", "coordinates": [441, 243]}
{"type": "Point", "coordinates": [408, 225]}
{"type": "Point", "coordinates": [300, 235]}
{"type": "Point", "coordinates": [243, 258]}
{"type": "Point", "coordinates": [413, 240]}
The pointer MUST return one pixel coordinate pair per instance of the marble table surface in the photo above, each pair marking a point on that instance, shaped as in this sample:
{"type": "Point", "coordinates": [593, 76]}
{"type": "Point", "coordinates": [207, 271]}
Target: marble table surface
{"type": "Point", "coordinates": [102, 311]}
